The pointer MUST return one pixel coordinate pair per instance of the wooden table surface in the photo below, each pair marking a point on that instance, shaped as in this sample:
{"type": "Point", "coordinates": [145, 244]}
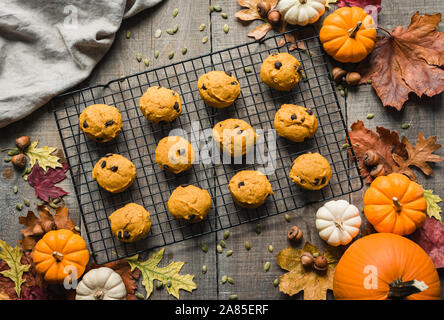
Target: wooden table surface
{"type": "Point", "coordinates": [246, 268]}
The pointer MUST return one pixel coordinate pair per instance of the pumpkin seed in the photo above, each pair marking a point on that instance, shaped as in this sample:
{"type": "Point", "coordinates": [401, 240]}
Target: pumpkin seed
{"type": "Point", "coordinates": [226, 234]}
{"type": "Point", "coordinates": [204, 248]}
{"type": "Point", "coordinates": [270, 248]}
{"type": "Point", "coordinates": [204, 269]}
{"type": "Point", "coordinates": [52, 205]}
{"type": "Point", "coordinates": [229, 253]}
{"type": "Point", "coordinates": [340, 87]}
{"type": "Point", "coordinates": [405, 125]}
{"type": "Point", "coordinates": [138, 57]}
{"type": "Point", "coordinates": [146, 62]}
{"type": "Point", "coordinates": [175, 12]}
{"type": "Point", "coordinates": [315, 254]}
{"type": "Point", "coordinates": [211, 9]}
{"type": "Point", "coordinates": [276, 282]}
{"type": "Point", "coordinates": [27, 202]}
{"type": "Point", "coordinates": [128, 34]}
{"type": "Point", "coordinates": [56, 200]}
{"type": "Point", "coordinates": [230, 280]}
{"type": "Point", "coordinates": [27, 170]}
{"type": "Point", "coordinates": [267, 266]}
{"type": "Point", "coordinates": [7, 159]}
{"type": "Point", "coordinates": [370, 116]}
{"type": "Point", "coordinates": [158, 33]}
{"type": "Point", "coordinates": [176, 28]}
{"type": "Point", "coordinates": [342, 93]}
{"type": "Point", "coordinates": [304, 76]}
{"type": "Point", "coordinates": [226, 28]}
{"type": "Point", "coordinates": [156, 54]}
{"type": "Point", "coordinates": [247, 245]}
{"type": "Point", "coordinates": [159, 285]}
{"type": "Point", "coordinates": [217, 8]}
{"type": "Point", "coordinates": [169, 284]}
{"type": "Point", "coordinates": [19, 206]}
{"type": "Point", "coordinates": [13, 152]}
{"type": "Point", "coordinates": [171, 55]}
{"type": "Point", "coordinates": [345, 146]}
{"type": "Point", "coordinates": [219, 248]}
{"type": "Point", "coordinates": [258, 228]}
{"type": "Point", "coordinates": [15, 189]}
{"type": "Point", "coordinates": [247, 69]}
{"type": "Point", "coordinates": [170, 31]}
{"type": "Point", "coordinates": [287, 217]}
{"type": "Point", "coordinates": [184, 50]}
{"type": "Point", "coordinates": [140, 296]}
{"type": "Point", "coordinates": [202, 27]}
{"type": "Point", "coordinates": [223, 244]}
{"type": "Point", "coordinates": [77, 229]}
{"type": "Point", "coordinates": [224, 15]}
{"type": "Point", "coordinates": [205, 39]}
{"type": "Point", "coordinates": [232, 297]}
{"type": "Point", "coordinates": [224, 279]}
{"type": "Point", "coordinates": [369, 81]}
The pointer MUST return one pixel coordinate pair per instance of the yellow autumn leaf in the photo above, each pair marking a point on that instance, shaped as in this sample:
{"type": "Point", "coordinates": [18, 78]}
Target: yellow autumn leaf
{"type": "Point", "coordinates": [314, 284]}
{"type": "Point", "coordinates": [13, 256]}
{"type": "Point", "coordinates": [433, 209]}
{"type": "Point", "coordinates": [329, 2]}
{"type": "Point", "coordinates": [42, 156]}
{"type": "Point", "coordinates": [169, 275]}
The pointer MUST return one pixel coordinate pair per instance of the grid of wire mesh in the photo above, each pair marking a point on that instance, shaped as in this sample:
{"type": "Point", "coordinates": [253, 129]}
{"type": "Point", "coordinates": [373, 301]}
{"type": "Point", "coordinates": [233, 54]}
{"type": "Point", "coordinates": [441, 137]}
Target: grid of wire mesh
{"type": "Point", "coordinates": [257, 105]}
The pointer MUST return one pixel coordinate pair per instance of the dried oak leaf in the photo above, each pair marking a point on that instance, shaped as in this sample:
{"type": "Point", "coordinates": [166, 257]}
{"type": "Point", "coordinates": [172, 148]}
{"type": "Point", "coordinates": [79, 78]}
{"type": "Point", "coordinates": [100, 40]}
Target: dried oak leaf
{"type": "Point", "coordinates": [384, 142]}
{"type": "Point", "coordinates": [313, 283]}
{"type": "Point", "coordinates": [418, 156]}
{"type": "Point", "coordinates": [409, 60]}
{"type": "Point", "coordinates": [44, 183]}
{"type": "Point", "coordinates": [431, 238]}
{"type": "Point", "coordinates": [251, 13]}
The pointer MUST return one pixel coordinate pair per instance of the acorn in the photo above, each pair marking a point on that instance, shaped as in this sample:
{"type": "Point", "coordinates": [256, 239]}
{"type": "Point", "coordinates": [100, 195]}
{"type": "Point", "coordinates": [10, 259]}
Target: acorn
{"type": "Point", "coordinates": [19, 161]}
{"type": "Point", "coordinates": [320, 263]}
{"type": "Point", "coordinates": [307, 259]}
{"type": "Point", "coordinates": [274, 16]}
{"type": "Point", "coordinates": [337, 74]}
{"type": "Point", "coordinates": [378, 171]}
{"type": "Point", "coordinates": [352, 78]}
{"type": "Point", "coordinates": [22, 142]}
{"type": "Point", "coordinates": [371, 158]}
{"type": "Point", "coordinates": [263, 7]}
{"type": "Point", "coordinates": [294, 234]}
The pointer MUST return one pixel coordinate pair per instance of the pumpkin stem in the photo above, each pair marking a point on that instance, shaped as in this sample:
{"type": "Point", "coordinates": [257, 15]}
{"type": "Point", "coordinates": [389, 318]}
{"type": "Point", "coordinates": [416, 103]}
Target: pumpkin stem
{"type": "Point", "coordinates": [99, 295]}
{"type": "Point", "coordinates": [400, 290]}
{"type": "Point", "coordinates": [303, 1]}
{"type": "Point", "coordinates": [397, 205]}
{"type": "Point", "coordinates": [352, 32]}
{"type": "Point", "coordinates": [338, 225]}
{"type": "Point", "coordinates": [58, 256]}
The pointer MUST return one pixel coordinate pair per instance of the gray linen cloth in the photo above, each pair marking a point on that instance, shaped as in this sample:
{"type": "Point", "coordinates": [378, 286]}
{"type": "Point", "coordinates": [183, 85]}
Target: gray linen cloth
{"type": "Point", "coordinates": [49, 46]}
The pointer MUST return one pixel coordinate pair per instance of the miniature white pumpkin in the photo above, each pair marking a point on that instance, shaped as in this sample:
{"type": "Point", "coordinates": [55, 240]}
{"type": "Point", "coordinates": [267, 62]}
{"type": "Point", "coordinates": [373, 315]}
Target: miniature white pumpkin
{"type": "Point", "coordinates": [338, 222]}
{"type": "Point", "coordinates": [101, 284]}
{"type": "Point", "coordinates": [301, 12]}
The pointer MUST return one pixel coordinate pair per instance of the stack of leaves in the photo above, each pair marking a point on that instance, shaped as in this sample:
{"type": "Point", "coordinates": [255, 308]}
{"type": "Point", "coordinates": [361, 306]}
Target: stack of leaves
{"type": "Point", "coordinates": [36, 227]}
{"type": "Point", "coordinates": [299, 278]}
{"type": "Point", "coordinates": [407, 61]}
{"type": "Point", "coordinates": [394, 154]}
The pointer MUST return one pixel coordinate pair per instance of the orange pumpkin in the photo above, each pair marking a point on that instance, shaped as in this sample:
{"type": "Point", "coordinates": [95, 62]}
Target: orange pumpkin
{"type": "Point", "coordinates": [348, 34]}
{"type": "Point", "coordinates": [385, 266]}
{"type": "Point", "coordinates": [395, 204]}
{"type": "Point", "coordinates": [57, 250]}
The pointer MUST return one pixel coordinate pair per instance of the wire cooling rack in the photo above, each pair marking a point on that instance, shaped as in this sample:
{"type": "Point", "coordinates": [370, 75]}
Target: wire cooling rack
{"type": "Point", "coordinates": [257, 105]}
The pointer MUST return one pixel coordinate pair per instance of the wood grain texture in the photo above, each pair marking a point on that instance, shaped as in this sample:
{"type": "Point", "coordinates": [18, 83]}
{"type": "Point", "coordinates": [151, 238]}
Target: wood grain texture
{"type": "Point", "coordinates": [245, 267]}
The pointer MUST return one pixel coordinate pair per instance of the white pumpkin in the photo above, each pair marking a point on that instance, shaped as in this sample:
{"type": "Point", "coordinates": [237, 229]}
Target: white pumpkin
{"type": "Point", "coordinates": [101, 284]}
{"type": "Point", "coordinates": [338, 222]}
{"type": "Point", "coordinates": [301, 12]}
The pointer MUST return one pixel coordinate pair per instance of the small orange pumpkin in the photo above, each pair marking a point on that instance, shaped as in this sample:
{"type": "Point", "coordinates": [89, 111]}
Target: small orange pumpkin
{"type": "Point", "coordinates": [385, 266]}
{"type": "Point", "coordinates": [395, 204]}
{"type": "Point", "coordinates": [57, 250]}
{"type": "Point", "coordinates": [348, 34]}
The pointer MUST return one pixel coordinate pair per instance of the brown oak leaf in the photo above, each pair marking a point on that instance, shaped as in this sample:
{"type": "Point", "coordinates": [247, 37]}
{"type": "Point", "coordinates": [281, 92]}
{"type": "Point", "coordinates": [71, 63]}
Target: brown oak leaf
{"type": "Point", "coordinates": [418, 156]}
{"type": "Point", "coordinates": [409, 60]}
{"type": "Point", "coordinates": [36, 227]}
{"type": "Point", "coordinates": [252, 14]}
{"type": "Point", "coordinates": [384, 142]}
{"type": "Point", "coordinates": [314, 284]}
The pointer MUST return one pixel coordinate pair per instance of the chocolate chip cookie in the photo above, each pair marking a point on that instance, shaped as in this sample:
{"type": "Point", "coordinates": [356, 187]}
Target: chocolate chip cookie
{"type": "Point", "coordinates": [281, 71]}
{"type": "Point", "coordinates": [160, 104]}
{"type": "Point", "coordinates": [100, 122]}
{"type": "Point", "coordinates": [130, 223]}
{"type": "Point", "coordinates": [250, 188]}
{"type": "Point", "coordinates": [311, 171]}
{"type": "Point", "coordinates": [219, 89]}
{"type": "Point", "coordinates": [175, 154]}
{"type": "Point", "coordinates": [114, 173]}
{"type": "Point", "coordinates": [234, 136]}
{"type": "Point", "coordinates": [189, 203]}
{"type": "Point", "coordinates": [295, 123]}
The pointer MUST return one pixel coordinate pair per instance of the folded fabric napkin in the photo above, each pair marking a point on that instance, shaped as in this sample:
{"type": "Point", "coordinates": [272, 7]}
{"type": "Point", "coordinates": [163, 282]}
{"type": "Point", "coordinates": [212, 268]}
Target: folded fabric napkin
{"type": "Point", "coordinates": [47, 47]}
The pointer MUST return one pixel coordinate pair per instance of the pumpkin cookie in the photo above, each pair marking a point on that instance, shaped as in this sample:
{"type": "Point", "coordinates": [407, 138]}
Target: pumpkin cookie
{"type": "Point", "coordinates": [234, 136]}
{"type": "Point", "coordinates": [100, 122]}
{"type": "Point", "coordinates": [189, 203]}
{"type": "Point", "coordinates": [281, 71]}
{"type": "Point", "coordinates": [295, 123]}
{"type": "Point", "coordinates": [311, 171]}
{"type": "Point", "coordinates": [250, 188]}
{"type": "Point", "coordinates": [218, 88]}
{"type": "Point", "coordinates": [159, 104]}
{"type": "Point", "coordinates": [114, 173]}
{"type": "Point", "coordinates": [130, 223]}
{"type": "Point", "coordinates": [175, 154]}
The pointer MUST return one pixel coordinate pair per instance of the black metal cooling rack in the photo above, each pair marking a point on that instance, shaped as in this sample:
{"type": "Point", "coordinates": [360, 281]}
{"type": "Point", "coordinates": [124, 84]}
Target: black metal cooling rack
{"type": "Point", "coordinates": [257, 105]}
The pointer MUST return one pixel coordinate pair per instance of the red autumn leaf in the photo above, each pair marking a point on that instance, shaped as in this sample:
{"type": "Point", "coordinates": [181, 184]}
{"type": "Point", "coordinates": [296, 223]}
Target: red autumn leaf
{"type": "Point", "coordinates": [44, 183]}
{"type": "Point", "coordinates": [408, 61]}
{"type": "Point", "coordinates": [431, 238]}
{"type": "Point", "coordinates": [359, 3]}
